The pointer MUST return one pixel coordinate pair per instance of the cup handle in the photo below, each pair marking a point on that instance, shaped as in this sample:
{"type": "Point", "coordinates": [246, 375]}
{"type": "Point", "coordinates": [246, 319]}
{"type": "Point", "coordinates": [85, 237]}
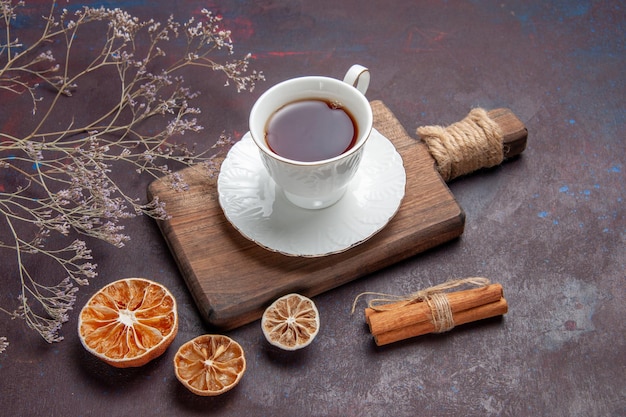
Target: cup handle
{"type": "Point", "coordinates": [358, 76]}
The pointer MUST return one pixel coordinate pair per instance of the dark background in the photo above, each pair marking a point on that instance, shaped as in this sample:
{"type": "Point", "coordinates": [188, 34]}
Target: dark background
{"type": "Point", "coordinates": [549, 226]}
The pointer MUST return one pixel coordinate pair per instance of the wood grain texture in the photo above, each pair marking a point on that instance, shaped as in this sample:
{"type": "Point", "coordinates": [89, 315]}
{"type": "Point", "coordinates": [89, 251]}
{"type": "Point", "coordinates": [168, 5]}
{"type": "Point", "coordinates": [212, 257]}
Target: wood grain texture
{"type": "Point", "coordinates": [233, 280]}
{"type": "Point", "coordinates": [514, 133]}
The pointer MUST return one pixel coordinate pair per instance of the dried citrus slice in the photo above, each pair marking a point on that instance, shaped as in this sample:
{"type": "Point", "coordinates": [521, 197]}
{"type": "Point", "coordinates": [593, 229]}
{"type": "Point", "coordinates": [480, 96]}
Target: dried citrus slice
{"type": "Point", "coordinates": [128, 322]}
{"type": "Point", "coordinates": [291, 322]}
{"type": "Point", "coordinates": [210, 364]}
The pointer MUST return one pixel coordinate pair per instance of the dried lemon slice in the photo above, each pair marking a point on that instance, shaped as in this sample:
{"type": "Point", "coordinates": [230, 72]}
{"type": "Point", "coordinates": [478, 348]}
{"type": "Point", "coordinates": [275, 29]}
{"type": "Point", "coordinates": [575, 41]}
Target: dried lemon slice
{"type": "Point", "coordinates": [210, 365]}
{"type": "Point", "coordinates": [129, 322]}
{"type": "Point", "coordinates": [291, 322]}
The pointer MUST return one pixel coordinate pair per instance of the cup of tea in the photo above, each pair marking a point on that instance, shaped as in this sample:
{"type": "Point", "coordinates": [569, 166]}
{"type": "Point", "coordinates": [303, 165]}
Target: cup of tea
{"type": "Point", "coordinates": [311, 133]}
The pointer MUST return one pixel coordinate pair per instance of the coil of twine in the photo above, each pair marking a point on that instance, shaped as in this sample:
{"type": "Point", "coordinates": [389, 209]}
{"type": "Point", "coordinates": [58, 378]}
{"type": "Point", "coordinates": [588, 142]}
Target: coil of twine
{"type": "Point", "coordinates": [465, 146]}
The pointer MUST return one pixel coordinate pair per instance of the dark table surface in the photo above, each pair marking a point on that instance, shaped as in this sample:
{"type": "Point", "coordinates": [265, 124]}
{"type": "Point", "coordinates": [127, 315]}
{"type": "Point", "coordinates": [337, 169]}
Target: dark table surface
{"type": "Point", "coordinates": [549, 226]}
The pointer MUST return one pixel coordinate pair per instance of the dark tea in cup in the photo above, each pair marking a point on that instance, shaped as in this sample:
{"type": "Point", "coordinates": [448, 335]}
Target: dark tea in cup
{"type": "Point", "coordinates": [311, 130]}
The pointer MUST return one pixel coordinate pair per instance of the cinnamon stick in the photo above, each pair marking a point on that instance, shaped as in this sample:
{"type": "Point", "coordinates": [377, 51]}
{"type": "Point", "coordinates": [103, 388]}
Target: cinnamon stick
{"type": "Point", "coordinates": [481, 312]}
{"type": "Point", "coordinates": [400, 315]}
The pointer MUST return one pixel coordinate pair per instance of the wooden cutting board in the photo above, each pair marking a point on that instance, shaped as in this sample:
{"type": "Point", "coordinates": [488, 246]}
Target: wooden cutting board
{"type": "Point", "coordinates": [233, 279]}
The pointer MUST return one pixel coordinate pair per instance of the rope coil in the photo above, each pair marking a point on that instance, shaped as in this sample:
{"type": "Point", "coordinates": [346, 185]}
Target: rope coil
{"type": "Point", "coordinates": [465, 146]}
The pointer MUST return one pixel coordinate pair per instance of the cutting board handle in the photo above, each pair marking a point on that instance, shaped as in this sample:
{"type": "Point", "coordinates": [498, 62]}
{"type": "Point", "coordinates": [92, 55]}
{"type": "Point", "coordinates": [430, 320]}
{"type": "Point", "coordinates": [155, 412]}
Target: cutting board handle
{"type": "Point", "coordinates": [483, 139]}
{"type": "Point", "coordinates": [514, 133]}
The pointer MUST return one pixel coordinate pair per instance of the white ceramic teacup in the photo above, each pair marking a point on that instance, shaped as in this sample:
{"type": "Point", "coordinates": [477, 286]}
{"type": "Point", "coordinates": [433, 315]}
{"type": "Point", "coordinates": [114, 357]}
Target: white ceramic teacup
{"type": "Point", "coordinates": [318, 184]}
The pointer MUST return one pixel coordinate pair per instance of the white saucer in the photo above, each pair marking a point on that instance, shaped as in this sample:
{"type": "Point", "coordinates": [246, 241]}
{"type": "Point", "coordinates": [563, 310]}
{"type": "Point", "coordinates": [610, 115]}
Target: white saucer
{"type": "Point", "coordinates": [257, 207]}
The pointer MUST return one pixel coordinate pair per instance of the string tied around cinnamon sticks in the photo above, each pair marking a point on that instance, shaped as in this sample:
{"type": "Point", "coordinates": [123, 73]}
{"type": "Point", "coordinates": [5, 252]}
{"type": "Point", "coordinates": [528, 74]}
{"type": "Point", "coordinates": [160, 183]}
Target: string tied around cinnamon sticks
{"type": "Point", "coordinates": [432, 310]}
